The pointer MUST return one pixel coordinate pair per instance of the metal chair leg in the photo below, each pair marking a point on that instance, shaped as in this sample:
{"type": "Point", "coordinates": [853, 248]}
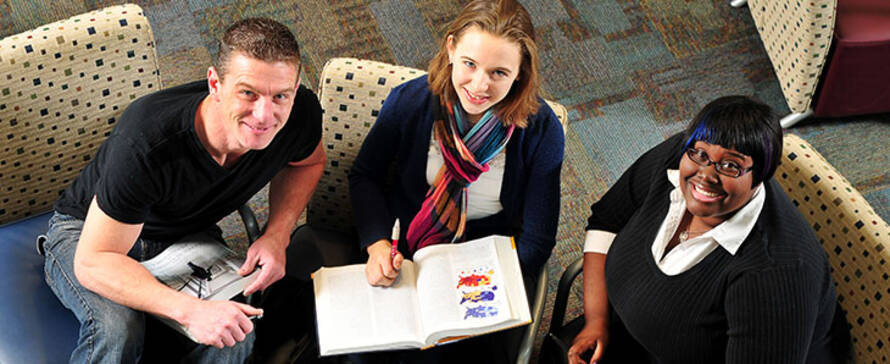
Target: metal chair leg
{"type": "Point", "coordinates": [792, 119]}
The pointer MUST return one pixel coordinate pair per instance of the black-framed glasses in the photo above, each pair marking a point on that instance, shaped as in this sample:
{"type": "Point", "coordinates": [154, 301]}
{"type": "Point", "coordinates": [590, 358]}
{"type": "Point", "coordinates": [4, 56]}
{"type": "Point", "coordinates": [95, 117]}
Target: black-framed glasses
{"type": "Point", "coordinates": [726, 168]}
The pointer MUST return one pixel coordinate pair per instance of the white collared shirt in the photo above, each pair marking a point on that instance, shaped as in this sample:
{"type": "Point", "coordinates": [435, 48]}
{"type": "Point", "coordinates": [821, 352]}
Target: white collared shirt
{"type": "Point", "coordinates": [729, 234]}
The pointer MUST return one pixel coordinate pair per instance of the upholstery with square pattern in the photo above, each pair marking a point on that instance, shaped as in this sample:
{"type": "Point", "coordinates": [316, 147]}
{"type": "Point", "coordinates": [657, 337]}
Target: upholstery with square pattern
{"type": "Point", "coordinates": [855, 238]}
{"type": "Point", "coordinates": [63, 86]}
{"type": "Point", "coordinates": [797, 36]}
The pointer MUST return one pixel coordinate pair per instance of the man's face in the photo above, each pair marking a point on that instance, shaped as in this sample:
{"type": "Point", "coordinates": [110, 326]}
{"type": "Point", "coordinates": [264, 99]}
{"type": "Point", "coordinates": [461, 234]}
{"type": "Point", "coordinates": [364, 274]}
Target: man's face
{"type": "Point", "coordinates": [254, 99]}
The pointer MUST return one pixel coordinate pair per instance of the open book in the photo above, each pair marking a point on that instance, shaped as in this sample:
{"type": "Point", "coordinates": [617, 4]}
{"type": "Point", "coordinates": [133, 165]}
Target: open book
{"type": "Point", "coordinates": [206, 270]}
{"type": "Point", "coordinates": [449, 292]}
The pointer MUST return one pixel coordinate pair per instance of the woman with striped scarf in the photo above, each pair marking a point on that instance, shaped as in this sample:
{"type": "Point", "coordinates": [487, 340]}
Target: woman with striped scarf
{"type": "Point", "coordinates": [476, 152]}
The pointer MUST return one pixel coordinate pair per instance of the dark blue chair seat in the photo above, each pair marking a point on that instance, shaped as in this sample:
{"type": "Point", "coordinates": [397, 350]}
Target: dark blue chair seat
{"type": "Point", "coordinates": [37, 328]}
{"type": "Point", "coordinates": [28, 308]}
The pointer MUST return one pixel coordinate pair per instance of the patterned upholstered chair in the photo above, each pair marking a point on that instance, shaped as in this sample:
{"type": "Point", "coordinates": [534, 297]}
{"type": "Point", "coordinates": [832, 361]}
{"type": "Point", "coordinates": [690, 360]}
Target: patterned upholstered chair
{"type": "Point", "coordinates": [352, 92]}
{"type": "Point", "coordinates": [854, 237]}
{"type": "Point", "coordinates": [63, 86]}
{"type": "Point", "coordinates": [830, 56]}
{"type": "Point", "coordinates": [797, 37]}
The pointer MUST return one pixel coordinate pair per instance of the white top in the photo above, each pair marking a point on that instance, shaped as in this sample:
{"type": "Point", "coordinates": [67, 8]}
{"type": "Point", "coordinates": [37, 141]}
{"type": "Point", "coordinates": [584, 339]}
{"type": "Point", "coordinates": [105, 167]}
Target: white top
{"type": "Point", "coordinates": [483, 196]}
{"type": "Point", "coordinates": [729, 234]}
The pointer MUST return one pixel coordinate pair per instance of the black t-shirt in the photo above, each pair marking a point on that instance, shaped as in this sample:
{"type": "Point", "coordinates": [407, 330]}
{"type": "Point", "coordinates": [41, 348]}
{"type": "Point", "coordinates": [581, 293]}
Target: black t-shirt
{"type": "Point", "coordinates": [153, 169]}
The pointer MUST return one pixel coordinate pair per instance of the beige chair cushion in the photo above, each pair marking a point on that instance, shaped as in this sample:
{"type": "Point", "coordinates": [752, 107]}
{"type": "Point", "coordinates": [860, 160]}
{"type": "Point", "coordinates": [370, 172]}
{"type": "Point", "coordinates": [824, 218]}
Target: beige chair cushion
{"type": "Point", "coordinates": [854, 237]}
{"type": "Point", "coordinates": [352, 92]}
{"type": "Point", "coordinates": [797, 36]}
{"type": "Point", "coordinates": [63, 86]}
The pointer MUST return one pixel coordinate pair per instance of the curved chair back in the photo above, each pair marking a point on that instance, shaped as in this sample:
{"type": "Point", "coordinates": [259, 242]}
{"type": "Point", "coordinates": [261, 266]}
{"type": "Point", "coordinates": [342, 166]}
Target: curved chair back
{"type": "Point", "coordinates": [63, 86]}
{"type": "Point", "coordinates": [797, 36]}
{"type": "Point", "coordinates": [351, 94]}
{"type": "Point", "coordinates": [855, 238]}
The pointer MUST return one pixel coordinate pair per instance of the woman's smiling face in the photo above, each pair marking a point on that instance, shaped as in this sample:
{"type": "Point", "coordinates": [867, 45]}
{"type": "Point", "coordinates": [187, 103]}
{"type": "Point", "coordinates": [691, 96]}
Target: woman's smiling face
{"type": "Point", "coordinates": [710, 195]}
{"type": "Point", "coordinates": [484, 67]}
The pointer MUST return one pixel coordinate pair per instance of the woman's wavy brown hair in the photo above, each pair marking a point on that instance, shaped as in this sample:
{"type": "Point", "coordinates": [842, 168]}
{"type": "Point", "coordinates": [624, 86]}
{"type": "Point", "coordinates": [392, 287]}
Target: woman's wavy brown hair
{"type": "Point", "coordinates": [506, 19]}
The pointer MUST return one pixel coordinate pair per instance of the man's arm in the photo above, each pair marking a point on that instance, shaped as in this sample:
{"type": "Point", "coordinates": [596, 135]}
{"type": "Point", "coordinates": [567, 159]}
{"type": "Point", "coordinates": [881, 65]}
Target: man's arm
{"type": "Point", "coordinates": [289, 192]}
{"type": "Point", "coordinates": [101, 265]}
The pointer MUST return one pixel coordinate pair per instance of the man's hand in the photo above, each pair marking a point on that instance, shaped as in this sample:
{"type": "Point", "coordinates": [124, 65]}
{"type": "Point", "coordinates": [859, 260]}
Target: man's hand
{"type": "Point", "coordinates": [268, 253]}
{"type": "Point", "coordinates": [289, 192]}
{"type": "Point", "coordinates": [594, 336]}
{"type": "Point", "coordinates": [220, 323]}
{"type": "Point", "coordinates": [382, 269]}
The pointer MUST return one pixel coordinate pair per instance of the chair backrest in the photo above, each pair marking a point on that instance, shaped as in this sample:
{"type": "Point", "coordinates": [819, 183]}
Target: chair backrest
{"type": "Point", "coordinates": [351, 94]}
{"type": "Point", "coordinates": [855, 238]}
{"type": "Point", "coordinates": [62, 88]}
{"type": "Point", "coordinates": [797, 36]}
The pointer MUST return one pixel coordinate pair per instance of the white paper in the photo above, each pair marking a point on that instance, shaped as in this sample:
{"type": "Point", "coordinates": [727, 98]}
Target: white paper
{"type": "Point", "coordinates": [205, 270]}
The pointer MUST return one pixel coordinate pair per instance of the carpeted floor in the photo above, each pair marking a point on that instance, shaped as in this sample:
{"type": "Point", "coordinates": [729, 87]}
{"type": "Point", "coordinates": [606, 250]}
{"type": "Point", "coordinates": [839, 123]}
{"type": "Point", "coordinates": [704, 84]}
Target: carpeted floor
{"type": "Point", "coordinates": [631, 73]}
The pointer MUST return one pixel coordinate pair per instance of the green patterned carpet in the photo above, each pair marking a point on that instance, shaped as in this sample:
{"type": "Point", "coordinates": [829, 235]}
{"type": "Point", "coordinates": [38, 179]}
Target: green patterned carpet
{"type": "Point", "coordinates": [630, 72]}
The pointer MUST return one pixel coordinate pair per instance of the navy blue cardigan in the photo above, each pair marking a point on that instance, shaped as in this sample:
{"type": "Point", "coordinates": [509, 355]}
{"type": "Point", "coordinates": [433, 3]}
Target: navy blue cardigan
{"type": "Point", "coordinates": [401, 136]}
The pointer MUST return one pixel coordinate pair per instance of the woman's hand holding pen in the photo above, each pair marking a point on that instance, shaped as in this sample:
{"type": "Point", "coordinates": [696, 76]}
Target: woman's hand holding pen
{"type": "Point", "coordinates": [382, 268]}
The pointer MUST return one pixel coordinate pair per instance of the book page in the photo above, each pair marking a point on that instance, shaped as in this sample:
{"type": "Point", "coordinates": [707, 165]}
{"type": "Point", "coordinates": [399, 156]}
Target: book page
{"type": "Point", "coordinates": [518, 299]}
{"type": "Point", "coordinates": [205, 270]}
{"type": "Point", "coordinates": [354, 316]}
{"type": "Point", "coordinates": [461, 286]}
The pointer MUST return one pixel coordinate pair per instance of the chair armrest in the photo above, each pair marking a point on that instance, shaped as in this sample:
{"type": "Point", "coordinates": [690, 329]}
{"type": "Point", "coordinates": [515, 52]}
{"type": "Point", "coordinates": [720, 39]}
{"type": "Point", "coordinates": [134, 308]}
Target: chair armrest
{"type": "Point", "coordinates": [562, 295]}
{"type": "Point", "coordinates": [250, 223]}
{"type": "Point", "coordinates": [528, 340]}
{"type": "Point", "coordinates": [312, 248]}
{"type": "Point", "coordinates": [554, 348]}
{"type": "Point", "coordinates": [559, 346]}
{"type": "Point", "coordinates": [253, 233]}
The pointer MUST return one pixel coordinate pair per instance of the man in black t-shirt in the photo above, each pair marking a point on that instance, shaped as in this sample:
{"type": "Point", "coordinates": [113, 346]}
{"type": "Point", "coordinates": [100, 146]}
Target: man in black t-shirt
{"type": "Point", "coordinates": [177, 162]}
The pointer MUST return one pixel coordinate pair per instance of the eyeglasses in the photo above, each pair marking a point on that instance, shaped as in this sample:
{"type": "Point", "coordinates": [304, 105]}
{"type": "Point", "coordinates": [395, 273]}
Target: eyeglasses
{"type": "Point", "coordinates": [726, 168]}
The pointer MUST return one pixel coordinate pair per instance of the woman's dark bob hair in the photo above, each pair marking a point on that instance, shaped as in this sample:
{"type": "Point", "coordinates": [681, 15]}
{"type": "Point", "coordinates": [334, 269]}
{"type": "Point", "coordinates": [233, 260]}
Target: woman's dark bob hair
{"type": "Point", "coordinates": [743, 124]}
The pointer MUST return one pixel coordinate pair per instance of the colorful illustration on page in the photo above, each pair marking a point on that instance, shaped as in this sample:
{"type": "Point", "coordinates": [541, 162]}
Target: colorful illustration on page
{"type": "Point", "coordinates": [478, 296]}
{"type": "Point", "coordinates": [474, 279]}
{"type": "Point", "coordinates": [481, 312]}
{"type": "Point", "coordinates": [477, 293]}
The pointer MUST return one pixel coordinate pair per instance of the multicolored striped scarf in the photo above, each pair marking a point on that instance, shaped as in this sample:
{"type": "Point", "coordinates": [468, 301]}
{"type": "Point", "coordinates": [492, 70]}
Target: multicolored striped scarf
{"type": "Point", "coordinates": [466, 150]}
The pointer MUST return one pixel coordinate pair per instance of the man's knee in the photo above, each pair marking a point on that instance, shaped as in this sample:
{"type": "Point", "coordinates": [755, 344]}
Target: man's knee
{"type": "Point", "coordinates": [119, 324]}
{"type": "Point", "coordinates": [109, 336]}
{"type": "Point", "coordinates": [236, 354]}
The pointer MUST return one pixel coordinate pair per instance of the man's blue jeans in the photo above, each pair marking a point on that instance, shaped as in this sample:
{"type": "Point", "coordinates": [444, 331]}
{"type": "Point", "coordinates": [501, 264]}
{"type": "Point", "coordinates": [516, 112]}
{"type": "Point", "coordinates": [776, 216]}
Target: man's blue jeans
{"type": "Point", "coordinates": [109, 332]}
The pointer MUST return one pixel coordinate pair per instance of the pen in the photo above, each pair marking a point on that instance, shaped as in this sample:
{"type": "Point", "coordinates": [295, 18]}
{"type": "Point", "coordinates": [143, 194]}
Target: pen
{"type": "Point", "coordinates": [395, 239]}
